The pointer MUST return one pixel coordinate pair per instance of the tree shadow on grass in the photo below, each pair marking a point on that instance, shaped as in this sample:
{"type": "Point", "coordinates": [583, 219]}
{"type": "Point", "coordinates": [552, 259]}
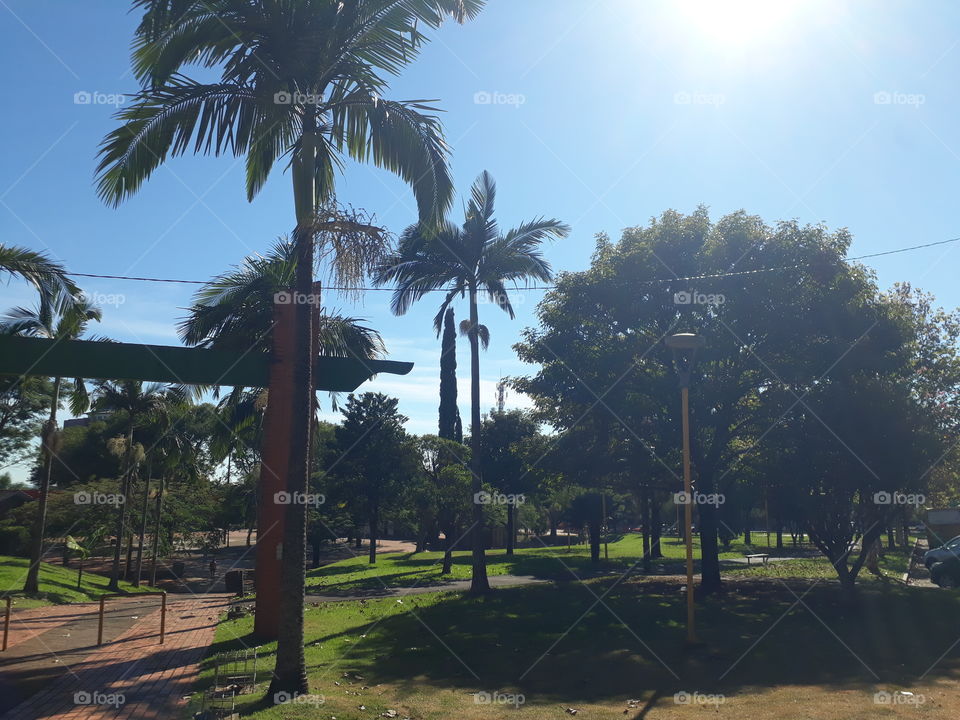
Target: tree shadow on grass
{"type": "Point", "coordinates": [562, 647]}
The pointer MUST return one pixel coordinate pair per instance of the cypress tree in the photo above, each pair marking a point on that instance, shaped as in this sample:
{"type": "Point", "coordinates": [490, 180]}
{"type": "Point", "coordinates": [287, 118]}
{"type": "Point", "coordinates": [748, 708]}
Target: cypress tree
{"type": "Point", "coordinates": [451, 427]}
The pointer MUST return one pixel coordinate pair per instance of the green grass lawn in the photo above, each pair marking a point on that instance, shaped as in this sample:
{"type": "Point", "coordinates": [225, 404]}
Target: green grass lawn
{"type": "Point", "coordinates": [58, 585]}
{"type": "Point", "coordinates": [356, 575]}
{"type": "Point", "coordinates": [767, 654]}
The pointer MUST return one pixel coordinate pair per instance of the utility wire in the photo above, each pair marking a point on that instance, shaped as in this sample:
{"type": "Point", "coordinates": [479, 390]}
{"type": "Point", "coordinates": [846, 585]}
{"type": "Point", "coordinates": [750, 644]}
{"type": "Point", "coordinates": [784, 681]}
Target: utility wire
{"type": "Point", "coordinates": [549, 287]}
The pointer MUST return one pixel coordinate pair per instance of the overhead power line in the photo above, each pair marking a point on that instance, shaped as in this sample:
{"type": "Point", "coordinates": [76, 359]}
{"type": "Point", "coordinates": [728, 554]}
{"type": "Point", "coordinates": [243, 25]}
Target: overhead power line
{"type": "Point", "coordinates": [549, 287]}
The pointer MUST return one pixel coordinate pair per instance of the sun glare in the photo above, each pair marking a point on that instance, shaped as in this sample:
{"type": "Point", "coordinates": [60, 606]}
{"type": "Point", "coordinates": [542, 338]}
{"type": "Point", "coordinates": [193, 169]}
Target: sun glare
{"type": "Point", "coordinates": [736, 22]}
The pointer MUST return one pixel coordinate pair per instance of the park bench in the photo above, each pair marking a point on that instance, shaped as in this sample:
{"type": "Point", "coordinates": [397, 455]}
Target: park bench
{"type": "Point", "coordinates": [763, 557]}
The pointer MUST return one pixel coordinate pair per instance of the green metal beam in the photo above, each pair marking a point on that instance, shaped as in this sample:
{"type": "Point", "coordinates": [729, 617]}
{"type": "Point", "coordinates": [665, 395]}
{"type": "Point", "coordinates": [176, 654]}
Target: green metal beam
{"type": "Point", "coordinates": [166, 364]}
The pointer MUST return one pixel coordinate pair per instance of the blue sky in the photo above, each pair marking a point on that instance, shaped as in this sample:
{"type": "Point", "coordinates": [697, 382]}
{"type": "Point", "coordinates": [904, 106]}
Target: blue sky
{"type": "Point", "coordinates": [601, 114]}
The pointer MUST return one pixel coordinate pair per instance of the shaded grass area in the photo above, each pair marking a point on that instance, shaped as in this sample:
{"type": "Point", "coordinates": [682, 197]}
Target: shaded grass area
{"type": "Point", "coordinates": [392, 570]}
{"type": "Point", "coordinates": [58, 585]}
{"type": "Point", "coordinates": [427, 656]}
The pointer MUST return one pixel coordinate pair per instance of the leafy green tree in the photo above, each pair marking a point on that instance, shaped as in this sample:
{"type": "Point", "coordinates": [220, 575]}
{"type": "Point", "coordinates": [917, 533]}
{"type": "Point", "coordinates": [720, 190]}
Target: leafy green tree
{"type": "Point", "coordinates": [469, 260]}
{"type": "Point", "coordinates": [600, 345]}
{"type": "Point", "coordinates": [305, 79]}
{"type": "Point", "coordinates": [447, 489]}
{"type": "Point", "coordinates": [503, 462]}
{"type": "Point", "coordinates": [855, 444]}
{"type": "Point", "coordinates": [24, 401]}
{"type": "Point", "coordinates": [57, 317]}
{"type": "Point", "coordinates": [376, 456]}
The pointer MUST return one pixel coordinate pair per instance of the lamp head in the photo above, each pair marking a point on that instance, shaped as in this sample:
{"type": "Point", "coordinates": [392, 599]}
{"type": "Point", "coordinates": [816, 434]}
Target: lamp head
{"type": "Point", "coordinates": [684, 342]}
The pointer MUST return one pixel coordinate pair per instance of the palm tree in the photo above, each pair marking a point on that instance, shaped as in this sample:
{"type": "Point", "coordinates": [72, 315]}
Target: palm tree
{"type": "Point", "coordinates": [304, 79]}
{"type": "Point", "coordinates": [57, 317]}
{"type": "Point", "coordinates": [171, 451]}
{"type": "Point", "coordinates": [466, 261]}
{"type": "Point", "coordinates": [234, 311]}
{"type": "Point", "coordinates": [47, 276]}
{"type": "Point", "coordinates": [137, 402]}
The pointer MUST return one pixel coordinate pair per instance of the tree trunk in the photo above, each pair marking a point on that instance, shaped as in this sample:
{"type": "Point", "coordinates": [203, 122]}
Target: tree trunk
{"type": "Point", "coordinates": [156, 533]}
{"type": "Point", "coordinates": [80, 574]}
{"type": "Point", "coordinates": [891, 540]}
{"type": "Point", "coordinates": [358, 541]}
{"type": "Point", "coordinates": [746, 535]}
{"type": "Point", "coordinates": [448, 551]}
{"type": "Point", "coordinates": [374, 518]}
{"type": "Point", "coordinates": [32, 584]}
{"type": "Point", "coordinates": [553, 528]}
{"type": "Point", "coordinates": [478, 582]}
{"type": "Point", "coordinates": [656, 528]}
{"type": "Point", "coordinates": [129, 553]}
{"type": "Point", "coordinates": [511, 530]}
{"type": "Point", "coordinates": [779, 536]}
{"type": "Point", "coordinates": [290, 674]}
{"type": "Point", "coordinates": [114, 584]}
{"type": "Point", "coordinates": [143, 527]}
{"type": "Point", "coordinates": [709, 554]}
{"type": "Point", "coordinates": [647, 523]}
{"type": "Point", "coordinates": [594, 528]}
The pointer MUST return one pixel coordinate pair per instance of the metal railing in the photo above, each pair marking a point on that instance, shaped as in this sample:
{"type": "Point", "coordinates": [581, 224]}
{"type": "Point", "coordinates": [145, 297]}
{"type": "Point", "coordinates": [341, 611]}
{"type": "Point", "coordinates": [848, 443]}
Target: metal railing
{"type": "Point", "coordinates": [163, 611]}
{"type": "Point", "coordinates": [6, 622]}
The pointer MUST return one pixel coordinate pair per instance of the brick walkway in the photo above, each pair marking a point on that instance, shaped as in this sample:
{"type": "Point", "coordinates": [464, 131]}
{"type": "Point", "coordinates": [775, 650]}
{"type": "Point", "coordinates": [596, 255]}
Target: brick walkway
{"type": "Point", "coordinates": [151, 678]}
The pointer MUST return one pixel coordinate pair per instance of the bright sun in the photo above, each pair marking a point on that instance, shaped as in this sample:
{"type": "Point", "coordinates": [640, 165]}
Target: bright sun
{"type": "Point", "coordinates": [736, 22]}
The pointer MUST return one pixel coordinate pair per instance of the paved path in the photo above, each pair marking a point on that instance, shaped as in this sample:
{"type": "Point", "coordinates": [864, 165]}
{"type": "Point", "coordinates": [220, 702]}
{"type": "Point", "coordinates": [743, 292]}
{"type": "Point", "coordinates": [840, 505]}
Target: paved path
{"type": "Point", "coordinates": [130, 676]}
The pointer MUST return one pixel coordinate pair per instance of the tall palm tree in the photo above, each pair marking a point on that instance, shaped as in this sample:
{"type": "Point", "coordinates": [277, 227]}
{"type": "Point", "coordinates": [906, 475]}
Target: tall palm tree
{"type": "Point", "coordinates": [299, 78]}
{"type": "Point", "coordinates": [47, 276]}
{"type": "Point", "coordinates": [56, 317]}
{"type": "Point", "coordinates": [138, 402]}
{"type": "Point", "coordinates": [467, 261]}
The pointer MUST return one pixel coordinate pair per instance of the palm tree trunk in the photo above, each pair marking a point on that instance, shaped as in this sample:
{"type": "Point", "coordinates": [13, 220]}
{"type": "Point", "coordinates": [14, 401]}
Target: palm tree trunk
{"type": "Point", "coordinates": [143, 527]}
{"type": "Point", "coordinates": [511, 528]}
{"type": "Point", "coordinates": [478, 582]}
{"type": "Point", "coordinates": [156, 533]}
{"type": "Point", "coordinates": [122, 514]}
{"type": "Point", "coordinates": [32, 584]}
{"type": "Point", "coordinates": [290, 674]}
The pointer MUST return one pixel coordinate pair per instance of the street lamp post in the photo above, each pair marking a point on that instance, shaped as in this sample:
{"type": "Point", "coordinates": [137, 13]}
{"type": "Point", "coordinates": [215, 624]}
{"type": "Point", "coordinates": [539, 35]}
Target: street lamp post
{"type": "Point", "coordinates": [684, 347]}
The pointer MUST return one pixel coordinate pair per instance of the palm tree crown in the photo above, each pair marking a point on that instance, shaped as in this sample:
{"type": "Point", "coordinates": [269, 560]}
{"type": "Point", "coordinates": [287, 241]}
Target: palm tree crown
{"type": "Point", "coordinates": [475, 255]}
{"type": "Point", "coordinates": [288, 69]}
{"type": "Point", "coordinates": [47, 276]}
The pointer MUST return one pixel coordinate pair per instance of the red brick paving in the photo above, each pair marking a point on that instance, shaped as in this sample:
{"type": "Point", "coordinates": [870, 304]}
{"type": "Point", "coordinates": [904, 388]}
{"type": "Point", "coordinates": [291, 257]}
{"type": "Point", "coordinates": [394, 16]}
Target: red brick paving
{"type": "Point", "coordinates": [152, 678]}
